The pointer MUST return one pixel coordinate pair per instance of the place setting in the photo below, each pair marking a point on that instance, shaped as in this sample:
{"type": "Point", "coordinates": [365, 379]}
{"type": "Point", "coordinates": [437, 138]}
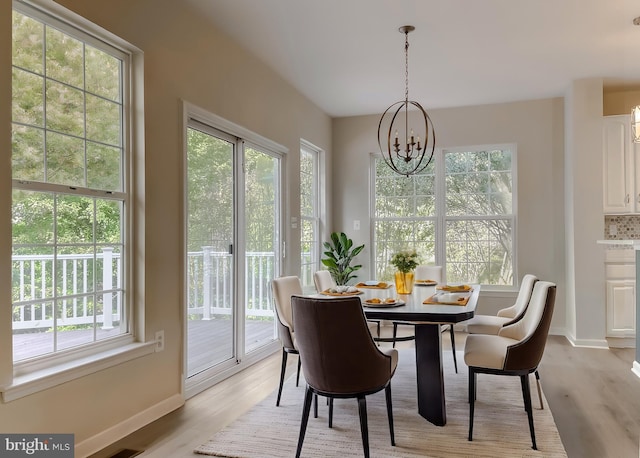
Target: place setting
{"type": "Point", "coordinates": [382, 303]}
{"type": "Point", "coordinates": [454, 294]}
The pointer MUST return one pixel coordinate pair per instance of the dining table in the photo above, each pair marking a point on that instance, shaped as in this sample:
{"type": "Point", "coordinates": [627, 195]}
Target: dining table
{"type": "Point", "coordinates": [427, 319]}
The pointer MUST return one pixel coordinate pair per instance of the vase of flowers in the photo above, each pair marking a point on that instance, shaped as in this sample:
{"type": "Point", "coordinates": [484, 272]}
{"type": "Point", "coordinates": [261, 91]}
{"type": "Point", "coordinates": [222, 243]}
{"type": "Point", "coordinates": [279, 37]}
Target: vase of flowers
{"type": "Point", "coordinates": [405, 262]}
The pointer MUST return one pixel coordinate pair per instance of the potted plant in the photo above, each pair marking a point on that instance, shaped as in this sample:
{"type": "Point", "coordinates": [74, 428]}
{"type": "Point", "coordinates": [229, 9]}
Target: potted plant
{"type": "Point", "coordinates": [405, 262]}
{"type": "Point", "coordinates": [339, 255]}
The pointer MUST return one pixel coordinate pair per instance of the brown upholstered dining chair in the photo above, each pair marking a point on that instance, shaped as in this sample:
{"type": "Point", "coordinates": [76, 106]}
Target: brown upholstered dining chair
{"type": "Point", "coordinates": [283, 288]}
{"type": "Point", "coordinates": [516, 350]}
{"type": "Point", "coordinates": [323, 281]}
{"type": "Point", "coordinates": [340, 359]}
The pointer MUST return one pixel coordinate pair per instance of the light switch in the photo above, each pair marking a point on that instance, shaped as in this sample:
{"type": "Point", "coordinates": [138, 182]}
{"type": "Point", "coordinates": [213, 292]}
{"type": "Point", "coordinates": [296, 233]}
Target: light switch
{"type": "Point", "coordinates": [356, 224]}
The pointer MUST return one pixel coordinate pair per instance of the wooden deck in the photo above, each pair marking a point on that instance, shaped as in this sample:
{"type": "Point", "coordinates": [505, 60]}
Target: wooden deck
{"type": "Point", "coordinates": [208, 341]}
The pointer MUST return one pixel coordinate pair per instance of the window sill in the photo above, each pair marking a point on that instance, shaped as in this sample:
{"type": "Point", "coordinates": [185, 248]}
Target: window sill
{"type": "Point", "coordinates": [33, 382]}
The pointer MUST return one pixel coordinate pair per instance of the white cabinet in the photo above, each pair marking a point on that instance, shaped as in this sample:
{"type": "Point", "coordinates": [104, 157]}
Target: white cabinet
{"type": "Point", "coordinates": [621, 167]}
{"type": "Point", "coordinates": [620, 293]}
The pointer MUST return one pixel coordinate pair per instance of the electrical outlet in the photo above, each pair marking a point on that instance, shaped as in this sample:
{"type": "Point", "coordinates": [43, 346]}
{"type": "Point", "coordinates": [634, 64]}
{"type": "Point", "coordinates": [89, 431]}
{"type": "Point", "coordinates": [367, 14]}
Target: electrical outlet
{"type": "Point", "coordinates": [613, 229]}
{"type": "Point", "coordinates": [159, 340]}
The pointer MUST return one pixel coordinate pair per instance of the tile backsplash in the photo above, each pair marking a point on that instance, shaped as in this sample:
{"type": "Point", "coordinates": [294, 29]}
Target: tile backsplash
{"type": "Point", "coordinates": [627, 227]}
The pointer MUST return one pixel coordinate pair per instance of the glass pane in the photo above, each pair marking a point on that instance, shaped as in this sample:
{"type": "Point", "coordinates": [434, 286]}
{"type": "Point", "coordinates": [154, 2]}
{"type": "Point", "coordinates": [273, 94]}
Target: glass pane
{"type": "Point", "coordinates": [27, 158]}
{"type": "Point", "coordinates": [261, 210]}
{"type": "Point", "coordinates": [65, 160]}
{"type": "Point", "coordinates": [480, 251]}
{"type": "Point", "coordinates": [104, 121]}
{"type": "Point", "coordinates": [103, 74]}
{"type": "Point", "coordinates": [27, 98]}
{"type": "Point", "coordinates": [32, 217]}
{"type": "Point", "coordinates": [393, 236]}
{"type": "Point", "coordinates": [74, 219]}
{"type": "Point", "coordinates": [74, 322]}
{"type": "Point", "coordinates": [65, 109]}
{"type": "Point", "coordinates": [210, 297]}
{"type": "Point", "coordinates": [109, 219]}
{"type": "Point", "coordinates": [64, 58]}
{"type": "Point", "coordinates": [104, 167]}
{"type": "Point", "coordinates": [32, 326]}
{"type": "Point", "coordinates": [27, 42]}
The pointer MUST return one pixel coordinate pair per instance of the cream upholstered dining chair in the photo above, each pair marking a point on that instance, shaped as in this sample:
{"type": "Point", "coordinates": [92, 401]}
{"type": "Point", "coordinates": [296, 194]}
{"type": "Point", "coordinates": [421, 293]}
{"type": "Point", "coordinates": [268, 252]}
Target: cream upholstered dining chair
{"type": "Point", "coordinates": [429, 272]}
{"type": "Point", "coordinates": [516, 350]}
{"type": "Point", "coordinates": [323, 281]}
{"type": "Point", "coordinates": [490, 324]}
{"type": "Point", "coordinates": [340, 358]}
{"type": "Point", "coordinates": [283, 288]}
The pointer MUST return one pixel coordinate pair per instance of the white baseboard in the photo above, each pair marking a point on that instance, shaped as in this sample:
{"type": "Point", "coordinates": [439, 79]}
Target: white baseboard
{"type": "Point", "coordinates": [105, 438]}
{"type": "Point", "coordinates": [589, 343]}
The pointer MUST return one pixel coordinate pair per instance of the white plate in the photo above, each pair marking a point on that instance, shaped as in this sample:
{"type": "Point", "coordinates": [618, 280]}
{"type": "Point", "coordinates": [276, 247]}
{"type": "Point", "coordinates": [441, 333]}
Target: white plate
{"type": "Point", "coordinates": [383, 304]}
{"type": "Point", "coordinates": [425, 283]}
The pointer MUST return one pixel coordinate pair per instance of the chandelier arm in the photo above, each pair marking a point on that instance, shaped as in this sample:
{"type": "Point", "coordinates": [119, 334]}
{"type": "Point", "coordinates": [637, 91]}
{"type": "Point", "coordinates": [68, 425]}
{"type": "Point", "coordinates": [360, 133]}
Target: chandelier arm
{"type": "Point", "coordinates": [387, 156]}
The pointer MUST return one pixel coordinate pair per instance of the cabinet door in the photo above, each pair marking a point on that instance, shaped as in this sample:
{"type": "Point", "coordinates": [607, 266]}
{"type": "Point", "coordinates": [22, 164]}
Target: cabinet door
{"type": "Point", "coordinates": [618, 172]}
{"type": "Point", "coordinates": [621, 308]}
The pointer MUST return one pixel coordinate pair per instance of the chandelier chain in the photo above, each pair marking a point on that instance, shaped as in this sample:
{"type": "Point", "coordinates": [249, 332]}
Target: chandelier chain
{"type": "Point", "coordinates": [406, 66]}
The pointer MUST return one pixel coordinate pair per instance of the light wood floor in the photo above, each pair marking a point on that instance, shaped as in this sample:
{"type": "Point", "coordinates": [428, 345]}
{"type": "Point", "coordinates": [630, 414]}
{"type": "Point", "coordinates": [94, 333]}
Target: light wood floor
{"type": "Point", "coordinates": [592, 393]}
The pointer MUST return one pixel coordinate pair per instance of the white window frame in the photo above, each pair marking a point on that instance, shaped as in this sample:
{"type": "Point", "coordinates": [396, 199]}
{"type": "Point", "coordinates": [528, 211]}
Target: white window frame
{"type": "Point", "coordinates": [440, 205]}
{"type": "Point", "coordinates": [27, 377]}
{"type": "Point", "coordinates": [314, 218]}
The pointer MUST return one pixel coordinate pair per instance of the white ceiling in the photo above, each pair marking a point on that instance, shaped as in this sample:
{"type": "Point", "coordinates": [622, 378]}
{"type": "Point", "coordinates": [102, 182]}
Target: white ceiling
{"type": "Point", "coordinates": [347, 56]}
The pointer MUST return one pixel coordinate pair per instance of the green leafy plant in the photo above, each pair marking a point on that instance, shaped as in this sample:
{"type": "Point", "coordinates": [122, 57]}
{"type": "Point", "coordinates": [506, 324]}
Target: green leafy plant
{"type": "Point", "coordinates": [405, 261]}
{"type": "Point", "coordinates": [339, 255]}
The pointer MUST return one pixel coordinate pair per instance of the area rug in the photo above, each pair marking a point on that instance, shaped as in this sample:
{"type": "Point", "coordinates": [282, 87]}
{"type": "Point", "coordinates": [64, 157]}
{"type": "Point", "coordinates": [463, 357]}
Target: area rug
{"type": "Point", "coordinates": [500, 426]}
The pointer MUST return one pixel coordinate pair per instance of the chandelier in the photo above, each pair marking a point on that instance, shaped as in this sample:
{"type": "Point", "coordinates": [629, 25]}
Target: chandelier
{"type": "Point", "coordinates": [406, 153]}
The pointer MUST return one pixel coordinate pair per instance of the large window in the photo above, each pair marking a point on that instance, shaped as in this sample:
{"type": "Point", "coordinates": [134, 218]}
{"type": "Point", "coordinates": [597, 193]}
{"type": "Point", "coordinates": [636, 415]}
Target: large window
{"type": "Point", "coordinates": [309, 214]}
{"type": "Point", "coordinates": [70, 187]}
{"type": "Point", "coordinates": [457, 213]}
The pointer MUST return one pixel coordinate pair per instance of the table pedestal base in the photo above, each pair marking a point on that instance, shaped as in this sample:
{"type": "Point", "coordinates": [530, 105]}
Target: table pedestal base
{"type": "Point", "coordinates": [431, 403]}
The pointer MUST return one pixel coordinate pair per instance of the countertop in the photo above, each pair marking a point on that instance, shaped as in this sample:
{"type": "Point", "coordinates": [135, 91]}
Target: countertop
{"type": "Point", "coordinates": [635, 244]}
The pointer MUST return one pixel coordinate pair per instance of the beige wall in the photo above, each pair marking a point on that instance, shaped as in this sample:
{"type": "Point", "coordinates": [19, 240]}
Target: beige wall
{"type": "Point", "coordinates": [185, 59]}
{"type": "Point", "coordinates": [536, 127]}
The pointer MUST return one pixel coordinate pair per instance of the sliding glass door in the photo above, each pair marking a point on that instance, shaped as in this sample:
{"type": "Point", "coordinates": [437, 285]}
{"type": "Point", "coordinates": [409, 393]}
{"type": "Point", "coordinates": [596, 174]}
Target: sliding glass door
{"type": "Point", "coordinates": [210, 263]}
{"type": "Point", "coordinates": [233, 195]}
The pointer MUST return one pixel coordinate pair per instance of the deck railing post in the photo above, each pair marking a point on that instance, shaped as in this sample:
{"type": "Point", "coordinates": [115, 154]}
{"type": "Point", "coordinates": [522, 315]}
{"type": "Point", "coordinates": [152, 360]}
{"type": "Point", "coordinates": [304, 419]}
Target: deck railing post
{"type": "Point", "coordinates": [206, 282]}
{"type": "Point", "coordinates": [107, 286]}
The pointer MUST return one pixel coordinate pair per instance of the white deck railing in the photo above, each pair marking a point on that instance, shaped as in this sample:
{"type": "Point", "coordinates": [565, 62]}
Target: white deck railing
{"type": "Point", "coordinates": [210, 283]}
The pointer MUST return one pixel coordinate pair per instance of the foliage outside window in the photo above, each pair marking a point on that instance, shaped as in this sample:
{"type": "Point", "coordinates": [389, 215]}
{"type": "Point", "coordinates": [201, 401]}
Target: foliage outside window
{"type": "Point", "coordinates": [457, 213]}
{"type": "Point", "coordinates": [69, 207]}
{"type": "Point", "coordinates": [309, 215]}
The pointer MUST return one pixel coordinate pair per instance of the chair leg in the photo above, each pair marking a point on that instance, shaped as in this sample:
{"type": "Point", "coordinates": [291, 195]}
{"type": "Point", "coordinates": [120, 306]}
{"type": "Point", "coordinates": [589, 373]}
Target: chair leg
{"type": "Point", "coordinates": [315, 406]}
{"type": "Point", "coordinates": [305, 419]}
{"type": "Point", "coordinates": [387, 393]}
{"type": "Point", "coordinates": [472, 400]}
{"type": "Point", "coordinates": [282, 371]}
{"type": "Point", "coordinates": [298, 375]}
{"type": "Point", "coordinates": [453, 347]}
{"type": "Point", "coordinates": [395, 333]}
{"type": "Point", "coordinates": [330, 412]}
{"type": "Point", "coordinates": [526, 394]}
{"type": "Point", "coordinates": [364, 428]}
{"type": "Point", "coordinates": [539, 389]}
